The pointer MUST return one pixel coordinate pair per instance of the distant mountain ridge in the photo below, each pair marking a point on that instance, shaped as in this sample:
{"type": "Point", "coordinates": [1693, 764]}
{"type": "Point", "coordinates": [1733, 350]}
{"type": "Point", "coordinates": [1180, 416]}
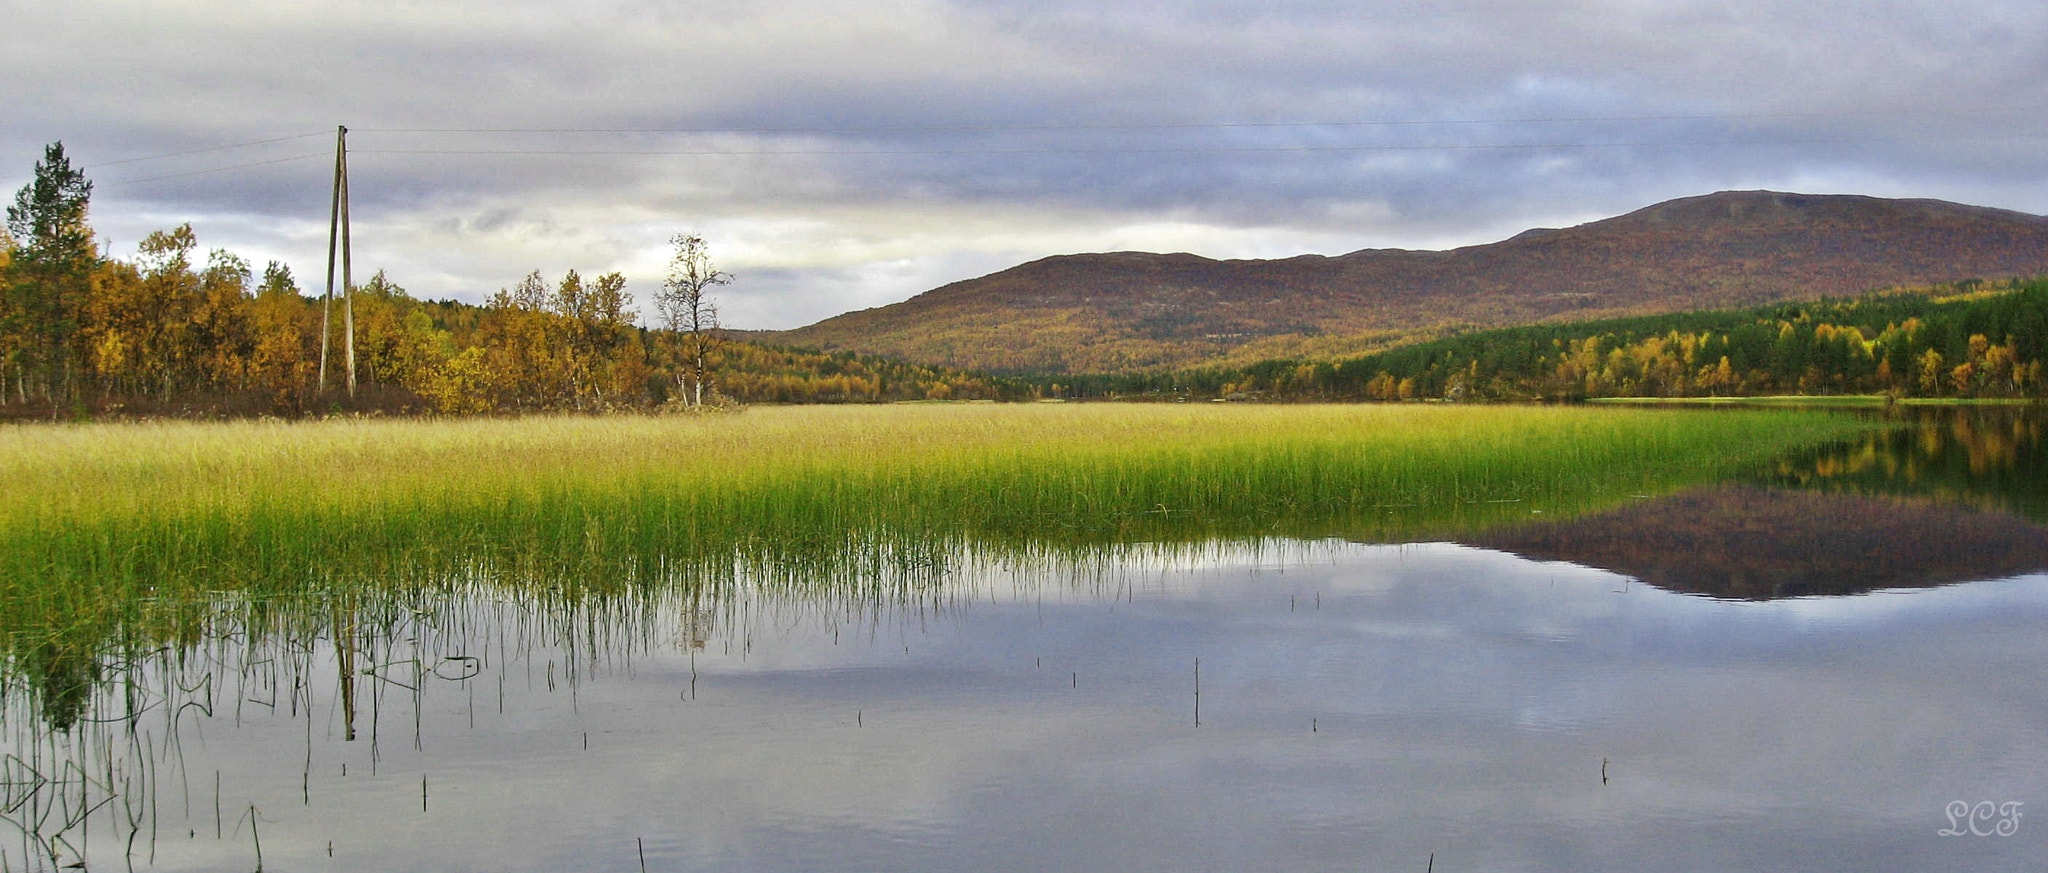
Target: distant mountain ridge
{"type": "Point", "coordinates": [1131, 310]}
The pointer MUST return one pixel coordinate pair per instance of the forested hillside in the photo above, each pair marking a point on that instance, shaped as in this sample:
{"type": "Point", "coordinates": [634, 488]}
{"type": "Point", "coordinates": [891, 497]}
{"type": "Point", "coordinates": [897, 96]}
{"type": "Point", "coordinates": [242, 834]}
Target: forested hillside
{"type": "Point", "coordinates": [1109, 313]}
{"type": "Point", "coordinates": [1970, 339]}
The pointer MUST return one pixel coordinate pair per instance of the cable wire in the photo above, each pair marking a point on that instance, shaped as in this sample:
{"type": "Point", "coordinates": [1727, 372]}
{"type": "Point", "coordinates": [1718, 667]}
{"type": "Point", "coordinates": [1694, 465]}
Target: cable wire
{"type": "Point", "coordinates": [1166, 149]}
{"type": "Point", "coordinates": [220, 148]}
{"type": "Point", "coordinates": [219, 169]}
{"type": "Point", "coordinates": [1204, 125]}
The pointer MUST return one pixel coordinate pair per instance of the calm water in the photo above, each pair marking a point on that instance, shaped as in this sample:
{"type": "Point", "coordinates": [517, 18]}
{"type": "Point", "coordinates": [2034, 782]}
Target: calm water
{"type": "Point", "coordinates": [1525, 701]}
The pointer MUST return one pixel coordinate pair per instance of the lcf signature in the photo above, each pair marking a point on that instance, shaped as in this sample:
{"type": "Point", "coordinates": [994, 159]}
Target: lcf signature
{"type": "Point", "coordinates": [1982, 819]}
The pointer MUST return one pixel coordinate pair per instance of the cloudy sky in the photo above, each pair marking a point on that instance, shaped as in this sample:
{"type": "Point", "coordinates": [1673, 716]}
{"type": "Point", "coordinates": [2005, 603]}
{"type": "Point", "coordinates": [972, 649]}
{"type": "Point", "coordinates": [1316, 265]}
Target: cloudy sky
{"type": "Point", "coordinates": [840, 155]}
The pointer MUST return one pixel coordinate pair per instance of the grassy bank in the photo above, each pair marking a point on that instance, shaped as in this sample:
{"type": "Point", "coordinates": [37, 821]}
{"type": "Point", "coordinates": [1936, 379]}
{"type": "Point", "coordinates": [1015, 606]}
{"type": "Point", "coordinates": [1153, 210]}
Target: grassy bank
{"type": "Point", "coordinates": [1861, 401]}
{"type": "Point", "coordinates": [107, 525]}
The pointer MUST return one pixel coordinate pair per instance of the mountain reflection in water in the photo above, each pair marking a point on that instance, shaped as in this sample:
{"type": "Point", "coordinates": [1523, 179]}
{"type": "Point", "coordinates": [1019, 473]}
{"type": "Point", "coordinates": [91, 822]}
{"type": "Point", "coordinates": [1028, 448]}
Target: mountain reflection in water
{"type": "Point", "coordinates": [1748, 543]}
{"type": "Point", "coordinates": [1951, 495]}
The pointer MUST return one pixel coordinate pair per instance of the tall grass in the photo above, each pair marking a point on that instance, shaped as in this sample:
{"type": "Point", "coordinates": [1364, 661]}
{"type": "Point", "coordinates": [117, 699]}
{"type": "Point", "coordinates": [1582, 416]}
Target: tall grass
{"type": "Point", "coordinates": [1086, 453]}
{"type": "Point", "coordinates": [140, 525]}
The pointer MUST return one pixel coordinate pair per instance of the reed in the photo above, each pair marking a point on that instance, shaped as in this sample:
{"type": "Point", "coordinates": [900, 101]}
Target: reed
{"type": "Point", "coordinates": [144, 526]}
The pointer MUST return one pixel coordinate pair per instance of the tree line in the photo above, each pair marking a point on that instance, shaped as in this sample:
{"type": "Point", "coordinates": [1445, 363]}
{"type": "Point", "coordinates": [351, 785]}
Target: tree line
{"type": "Point", "coordinates": [172, 331]}
{"type": "Point", "coordinates": [1968, 339]}
{"type": "Point", "coordinates": [175, 331]}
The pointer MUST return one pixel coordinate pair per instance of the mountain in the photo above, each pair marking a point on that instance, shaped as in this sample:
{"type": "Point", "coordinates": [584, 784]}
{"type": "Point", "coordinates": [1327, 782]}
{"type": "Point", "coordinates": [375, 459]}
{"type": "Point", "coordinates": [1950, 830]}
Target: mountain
{"type": "Point", "coordinates": [1132, 310]}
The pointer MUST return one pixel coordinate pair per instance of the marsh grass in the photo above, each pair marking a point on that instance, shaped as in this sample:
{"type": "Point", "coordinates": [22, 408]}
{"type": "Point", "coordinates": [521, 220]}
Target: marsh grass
{"type": "Point", "coordinates": [133, 530]}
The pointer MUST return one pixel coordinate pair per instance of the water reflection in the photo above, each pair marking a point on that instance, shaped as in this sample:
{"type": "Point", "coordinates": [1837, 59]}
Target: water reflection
{"type": "Point", "coordinates": [1986, 456]}
{"type": "Point", "coordinates": [1362, 707]}
{"type": "Point", "coordinates": [1950, 495]}
{"type": "Point", "coordinates": [1751, 543]}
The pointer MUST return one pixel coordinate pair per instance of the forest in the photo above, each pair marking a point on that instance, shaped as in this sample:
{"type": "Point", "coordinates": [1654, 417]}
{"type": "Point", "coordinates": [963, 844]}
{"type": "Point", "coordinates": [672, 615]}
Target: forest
{"type": "Point", "coordinates": [174, 331]}
{"type": "Point", "coordinates": [1973, 339]}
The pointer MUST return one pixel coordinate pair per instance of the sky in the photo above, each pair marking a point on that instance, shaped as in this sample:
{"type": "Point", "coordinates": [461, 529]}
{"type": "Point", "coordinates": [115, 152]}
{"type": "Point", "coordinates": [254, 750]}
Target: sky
{"type": "Point", "coordinates": [841, 155]}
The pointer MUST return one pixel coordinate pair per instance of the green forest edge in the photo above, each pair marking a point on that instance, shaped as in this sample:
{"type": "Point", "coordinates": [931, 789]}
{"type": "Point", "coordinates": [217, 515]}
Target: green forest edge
{"type": "Point", "coordinates": [1972, 341]}
{"type": "Point", "coordinates": [78, 588]}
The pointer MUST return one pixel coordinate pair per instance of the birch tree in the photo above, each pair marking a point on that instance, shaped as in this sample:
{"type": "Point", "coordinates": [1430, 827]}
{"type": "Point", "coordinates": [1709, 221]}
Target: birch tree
{"type": "Point", "coordinates": [686, 310]}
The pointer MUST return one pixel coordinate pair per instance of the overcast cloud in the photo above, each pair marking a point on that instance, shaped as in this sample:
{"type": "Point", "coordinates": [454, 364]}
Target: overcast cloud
{"type": "Point", "coordinates": [841, 155]}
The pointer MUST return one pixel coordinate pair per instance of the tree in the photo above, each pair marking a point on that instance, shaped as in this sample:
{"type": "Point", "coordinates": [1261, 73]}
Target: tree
{"type": "Point", "coordinates": [598, 320]}
{"type": "Point", "coordinates": [221, 337]}
{"type": "Point", "coordinates": [170, 295]}
{"type": "Point", "coordinates": [397, 343]}
{"type": "Point", "coordinates": [8, 338]}
{"type": "Point", "coordinates": [47, 276]}
{"type": "Point", "coordinates": [686, 310]}
{"type": "Point", "coordinates": [522, 344]}
{"type": "Point", "coordinates": [282, 362]}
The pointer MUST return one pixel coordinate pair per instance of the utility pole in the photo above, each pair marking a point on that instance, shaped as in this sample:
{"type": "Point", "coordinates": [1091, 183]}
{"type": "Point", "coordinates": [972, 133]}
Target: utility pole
{"type": "Point", "coordinates": [333, 231]}
{"type": "Point", "coordinates": [337, 231]}
{"type": "Point", "coordinates": [348, 283]}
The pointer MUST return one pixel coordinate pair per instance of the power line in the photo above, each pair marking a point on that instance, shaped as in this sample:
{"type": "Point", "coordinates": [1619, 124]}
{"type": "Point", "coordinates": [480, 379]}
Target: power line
{"type": "Point", "coordinates": [1206, 125]}
{"type": "Point", "coordinates": [1176, 149]}
{"type": "Point", "coordinates": [217, 169]}
{"type": "Point", "coordinates": [220, 148]}
{"type": "Point", "coordinates": [764, 153]}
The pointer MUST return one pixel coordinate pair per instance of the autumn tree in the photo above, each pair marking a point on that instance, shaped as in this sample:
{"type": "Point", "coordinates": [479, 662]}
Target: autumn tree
{"type": "Point", "coordinates": [687, 311]}
{"type": "Point", "coordinates": [220, 340]}
{"type": "Point", "coordinates": [521, 353]}
{"type": "Point", "coordinates": [572, 346]}
{"type": "Point", "coordinates": [285, 350]}
{"type": "Point", "coordinates": [597, 323]}
{"type": "Point", "coordinates": [141, 319]}
{"type": "Point", "coordinates": [398, 345]}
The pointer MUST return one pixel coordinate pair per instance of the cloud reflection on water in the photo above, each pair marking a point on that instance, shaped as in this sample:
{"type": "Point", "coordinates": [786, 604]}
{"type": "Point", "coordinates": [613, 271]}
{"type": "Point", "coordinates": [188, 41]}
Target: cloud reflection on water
{"type": "Point", "coordinates": [1362, 707]}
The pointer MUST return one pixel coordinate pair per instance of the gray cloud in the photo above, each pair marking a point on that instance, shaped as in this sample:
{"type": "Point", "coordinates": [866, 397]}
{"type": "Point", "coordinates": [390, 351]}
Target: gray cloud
{"type": "Point", "coordinates": [914, 138]}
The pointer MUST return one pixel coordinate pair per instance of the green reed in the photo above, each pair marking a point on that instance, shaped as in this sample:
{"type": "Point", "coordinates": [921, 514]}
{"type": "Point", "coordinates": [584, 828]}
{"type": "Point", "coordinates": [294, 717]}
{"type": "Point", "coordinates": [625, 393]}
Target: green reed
{"type": "Point", "coordinates": [136, 526]}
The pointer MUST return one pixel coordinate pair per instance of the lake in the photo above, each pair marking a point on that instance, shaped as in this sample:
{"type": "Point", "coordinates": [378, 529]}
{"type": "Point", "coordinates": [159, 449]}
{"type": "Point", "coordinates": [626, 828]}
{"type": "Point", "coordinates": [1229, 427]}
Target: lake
{"type": "Point", "coordinates": [1831, 661]}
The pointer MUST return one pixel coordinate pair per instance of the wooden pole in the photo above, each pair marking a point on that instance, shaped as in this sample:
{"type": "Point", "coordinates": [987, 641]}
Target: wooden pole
{"type": "Point", "coordinates": [333, 234]}
{"type": "Point", "coordinates": [348, 285]}
{"type": "Point", "coordinates": [345, 652]}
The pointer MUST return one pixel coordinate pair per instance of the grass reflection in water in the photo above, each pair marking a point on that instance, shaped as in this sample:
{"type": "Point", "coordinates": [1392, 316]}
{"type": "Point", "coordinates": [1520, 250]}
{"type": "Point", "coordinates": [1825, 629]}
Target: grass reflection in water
{"type": "Point", "coordinates": [148, 568]}
{"type": "Point", "coordinates": [142, 528]}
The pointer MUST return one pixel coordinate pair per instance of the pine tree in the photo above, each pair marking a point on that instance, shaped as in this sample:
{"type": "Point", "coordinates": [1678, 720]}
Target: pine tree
{"type": "Point", "coordinates": [47, 279]}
